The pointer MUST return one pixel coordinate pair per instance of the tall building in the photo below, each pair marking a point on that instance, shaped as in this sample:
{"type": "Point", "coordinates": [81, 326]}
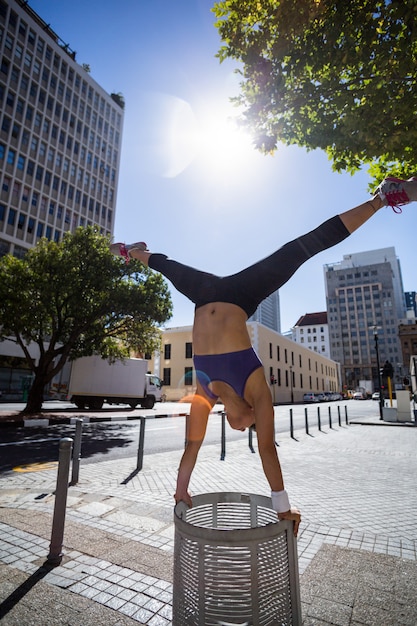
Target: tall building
{"type": "Point", "coordinates": [312, 331]}
{"type": "Point", "coordinates": [365, 303]}
{"type": "Point", "coordinates": [60, 141]}
{"type": "Point", "coordinates": [268, 313]}
{"type": "Point", "coordinates": [60, 136]}
{"type": "Point", "coordinates": [411, 303]}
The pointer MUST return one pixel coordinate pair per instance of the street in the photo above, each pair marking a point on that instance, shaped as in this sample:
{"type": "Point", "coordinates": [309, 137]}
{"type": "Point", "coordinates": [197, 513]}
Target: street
{"type": "Point", "coordinates": [106, 440]}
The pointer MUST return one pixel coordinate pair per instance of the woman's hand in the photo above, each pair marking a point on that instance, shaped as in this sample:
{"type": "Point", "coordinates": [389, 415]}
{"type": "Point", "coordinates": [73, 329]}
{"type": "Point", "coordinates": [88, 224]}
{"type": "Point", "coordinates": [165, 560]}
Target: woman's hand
{"type": "Point", "coordinates": [293, 515]}
{"type": "Point", "coordinates": [183, 497]}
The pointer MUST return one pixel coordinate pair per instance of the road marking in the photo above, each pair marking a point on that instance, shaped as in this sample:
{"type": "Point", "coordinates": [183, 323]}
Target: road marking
{"type": "Point", "coordinates": [25, 443]}
{"type": "Point", "coordinates": [36, 467]}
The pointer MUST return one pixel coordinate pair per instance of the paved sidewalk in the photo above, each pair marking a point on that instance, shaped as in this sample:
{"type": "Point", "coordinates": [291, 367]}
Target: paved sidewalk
{"type": "Point", "coordinates": [357, 545]}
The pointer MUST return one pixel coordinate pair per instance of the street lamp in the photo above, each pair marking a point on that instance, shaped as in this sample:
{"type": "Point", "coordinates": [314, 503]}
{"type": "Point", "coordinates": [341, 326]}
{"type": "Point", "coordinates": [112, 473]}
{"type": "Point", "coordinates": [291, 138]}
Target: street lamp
{"type": "Point", "coordinates": [381, 400]}
{"type": "Point", "coordinates": [291, 386]}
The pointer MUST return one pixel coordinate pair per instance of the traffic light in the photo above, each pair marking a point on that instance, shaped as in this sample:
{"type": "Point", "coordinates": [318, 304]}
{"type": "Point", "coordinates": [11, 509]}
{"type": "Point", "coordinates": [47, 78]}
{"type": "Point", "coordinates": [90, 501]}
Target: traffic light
{"type": "Point", "coordinates": [388, 370]}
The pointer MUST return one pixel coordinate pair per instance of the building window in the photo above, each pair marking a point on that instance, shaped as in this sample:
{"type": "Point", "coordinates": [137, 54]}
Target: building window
{"type": "Point", "coordinates": [167, 351]}
{"type": "Point", "coordinates": [167, 376]}
{"type": "Point", "coordinates": [10, 157]}
{"type": "Point", "coordinates": [12, 217]}
{"type": "Point", "coordinates": [188, 350]}
{"type": "Point", "coordinates": [188, 375]}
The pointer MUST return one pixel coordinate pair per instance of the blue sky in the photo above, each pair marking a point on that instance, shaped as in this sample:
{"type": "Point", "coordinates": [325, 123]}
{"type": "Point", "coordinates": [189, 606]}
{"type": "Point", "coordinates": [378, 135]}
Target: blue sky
{"type": "Point", "coordinates": [190, 185]}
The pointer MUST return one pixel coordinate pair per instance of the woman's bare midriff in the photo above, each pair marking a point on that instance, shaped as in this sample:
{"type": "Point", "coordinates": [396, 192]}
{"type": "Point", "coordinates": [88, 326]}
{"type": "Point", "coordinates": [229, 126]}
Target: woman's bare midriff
{"type": "Point", "coordinates": [220, 327]}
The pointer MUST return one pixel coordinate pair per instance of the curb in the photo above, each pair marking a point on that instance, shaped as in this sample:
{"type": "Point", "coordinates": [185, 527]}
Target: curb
{"type": "Point", "coordinates": [55, 421]}
{"type": "Point", "coordinates": [382, 423]}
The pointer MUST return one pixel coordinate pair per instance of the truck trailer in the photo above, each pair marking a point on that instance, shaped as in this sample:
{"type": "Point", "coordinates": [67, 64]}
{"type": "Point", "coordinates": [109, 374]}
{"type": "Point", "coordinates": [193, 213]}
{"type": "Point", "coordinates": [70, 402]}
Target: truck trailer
{"type": "Point", "coordinates": [95, 381]}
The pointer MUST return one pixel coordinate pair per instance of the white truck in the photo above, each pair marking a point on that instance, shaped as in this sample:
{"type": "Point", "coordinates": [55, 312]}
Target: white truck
{"type": "Point", "coordinates": [366, 386]}
{"type": "Point", "coordinates": [94, 381]}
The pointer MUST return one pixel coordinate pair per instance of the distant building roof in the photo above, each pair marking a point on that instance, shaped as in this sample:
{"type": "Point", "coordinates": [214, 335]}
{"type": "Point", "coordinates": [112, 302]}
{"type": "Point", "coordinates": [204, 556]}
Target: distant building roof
{"type": "Point", "coordinates": [311, 319]}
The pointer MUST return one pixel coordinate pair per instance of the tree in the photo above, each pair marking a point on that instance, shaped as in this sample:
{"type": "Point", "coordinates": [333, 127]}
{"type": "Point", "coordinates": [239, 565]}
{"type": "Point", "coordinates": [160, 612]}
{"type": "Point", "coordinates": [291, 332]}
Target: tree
{"type": "Point", "coordinates": [75, 299]}
{"type": "Point", "coordinates": [329, 74]}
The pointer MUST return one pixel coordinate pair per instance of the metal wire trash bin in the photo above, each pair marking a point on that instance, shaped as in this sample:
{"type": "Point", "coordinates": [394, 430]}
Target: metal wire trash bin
{"type": "Point", "coordinates": [234, 563]}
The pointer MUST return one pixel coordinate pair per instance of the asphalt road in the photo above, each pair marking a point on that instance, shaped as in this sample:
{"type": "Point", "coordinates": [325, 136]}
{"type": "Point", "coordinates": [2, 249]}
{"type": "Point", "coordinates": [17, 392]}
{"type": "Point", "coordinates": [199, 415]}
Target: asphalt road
{"type": "Point", "coordinates": [101, 441]}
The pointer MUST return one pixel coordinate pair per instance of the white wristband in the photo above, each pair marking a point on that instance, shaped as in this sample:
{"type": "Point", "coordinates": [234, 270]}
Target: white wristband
{"type": "Point", "coordinates": [280, 501]}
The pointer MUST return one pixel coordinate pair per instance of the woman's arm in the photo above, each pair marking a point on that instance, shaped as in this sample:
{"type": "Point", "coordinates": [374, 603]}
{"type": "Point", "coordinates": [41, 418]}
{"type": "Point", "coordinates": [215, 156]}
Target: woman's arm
{"type": "Point", "coordinates": [259, 396]}
{"type": "Point", "coordinates": [196, 430]}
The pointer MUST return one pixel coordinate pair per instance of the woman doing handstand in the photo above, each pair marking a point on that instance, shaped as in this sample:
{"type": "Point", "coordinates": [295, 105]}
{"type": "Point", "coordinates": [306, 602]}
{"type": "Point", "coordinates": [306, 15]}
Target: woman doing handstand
{"type": "Point", "coordinates": [226, 365]}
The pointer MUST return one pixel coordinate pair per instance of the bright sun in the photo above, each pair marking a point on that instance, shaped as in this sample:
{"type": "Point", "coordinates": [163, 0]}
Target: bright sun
{"type": "Point", "coordinates": [209, 137]}
{"type": "Point", "coordinates": [221, 142]}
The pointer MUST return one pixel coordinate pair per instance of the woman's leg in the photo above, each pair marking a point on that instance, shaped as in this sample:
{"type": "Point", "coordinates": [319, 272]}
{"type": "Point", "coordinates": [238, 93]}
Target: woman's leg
{"type": "Point", "coordinates": [192, 283]}
{"type": "Point", "coordinates": [258, 281]}
{"type": "Point", "coordinates": [252, 285]}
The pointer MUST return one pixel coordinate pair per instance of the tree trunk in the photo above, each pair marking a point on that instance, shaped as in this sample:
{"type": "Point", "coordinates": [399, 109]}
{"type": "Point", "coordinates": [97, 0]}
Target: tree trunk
{"type": "Point", "coordinates": [35, 396]}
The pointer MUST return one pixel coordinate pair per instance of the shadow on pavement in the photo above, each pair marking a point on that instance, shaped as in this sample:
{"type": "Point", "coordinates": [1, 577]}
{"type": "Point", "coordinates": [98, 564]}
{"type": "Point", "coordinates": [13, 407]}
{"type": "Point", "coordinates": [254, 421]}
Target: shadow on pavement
{"type": "Point", "coordinates": [41, 445]}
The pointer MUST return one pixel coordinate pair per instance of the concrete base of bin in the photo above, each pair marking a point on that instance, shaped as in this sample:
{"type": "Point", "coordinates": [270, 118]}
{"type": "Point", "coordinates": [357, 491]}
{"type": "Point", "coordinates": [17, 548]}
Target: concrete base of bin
{"type": "Point", "coordinates": [389, 414]}
{"type": "Point", "coordinates": [234, 563]}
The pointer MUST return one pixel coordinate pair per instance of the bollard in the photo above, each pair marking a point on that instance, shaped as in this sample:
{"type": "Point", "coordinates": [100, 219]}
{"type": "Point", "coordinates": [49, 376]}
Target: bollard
{"type": "Point", "coordinates": [55, 548]}
{"type": "Point", "coordinates": [346, 417]}
{"type": "Point", "coordinates": [223, 437]}
{"type": "Point", "coordinates": [291, 425]}
{"type": "Point", "coordinates": [306, 420]}
{"type": "Point", "coordinates": [250, 440]}
{"type": "Point", "coordinates": [330, 417]}
{"type": "Point", "coordinates": [76, 452]}
{"type": "Point", "coordinates": [318, 418]}
{"type": "Point", "coordinates": [338, 415]}
{"type": "Point", "coordinates": [139, 463]}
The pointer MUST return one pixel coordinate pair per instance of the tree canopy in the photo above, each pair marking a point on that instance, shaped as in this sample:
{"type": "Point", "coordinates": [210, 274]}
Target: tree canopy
{"type": "Point", "coordinates": [329, 74]}
{"type": "Point", "coordinates": [75, 299]}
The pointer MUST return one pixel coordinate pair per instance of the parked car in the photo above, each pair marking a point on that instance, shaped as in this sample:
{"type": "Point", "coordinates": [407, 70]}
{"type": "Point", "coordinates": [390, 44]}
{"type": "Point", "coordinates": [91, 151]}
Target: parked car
{"type": "Point", "coordinates": [359, 395]}
{"type": "Point", "coordinates": [321, 397]}
{"type": "Point", "coordinates": [375, 395]}
{"type": "Point", "coordinates": [310, 397]}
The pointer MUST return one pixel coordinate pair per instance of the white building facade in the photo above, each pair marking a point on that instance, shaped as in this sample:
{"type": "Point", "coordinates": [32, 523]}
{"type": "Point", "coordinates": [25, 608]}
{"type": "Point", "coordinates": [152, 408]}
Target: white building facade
{"type": "Point", "coordinates": [60, 143]}
{"type": "Point", "coordinates": [60, 136]}
{"type": "Point", "coordinates": [312, 332]}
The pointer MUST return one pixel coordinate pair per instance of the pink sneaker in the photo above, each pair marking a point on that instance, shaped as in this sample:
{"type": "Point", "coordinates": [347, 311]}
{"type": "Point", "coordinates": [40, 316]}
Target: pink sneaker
{"type": "Point", "coordinates": [122, 249]}
{"type": "Point", "coordinates": [396, 192]}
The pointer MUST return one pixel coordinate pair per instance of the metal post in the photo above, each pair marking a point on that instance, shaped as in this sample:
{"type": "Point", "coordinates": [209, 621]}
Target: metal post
{"type": "Point", "coordinates": [76, 452]}
{"type": "Point", "coordinates": [338, 415]}
{"type": "Point", "coordinates": [330, 417]}
{"type": "Point", "coordinates": [291, 425]}
{"type": "Point", "coordinates": [291, 385]}
{"type": "Point", "coordinates": [306, 419]}
{"type": "Point", "coordinates": [223, 437]}
{"type": "Point", "coordinates": [381, 399]}
{"type": "Point", "coordinates": [139, 463]}
{"type": "Point", "coordinates": [318, 418]}
{"type": "Point", "coordinates": [346, 415]}
{"type": "Point", "coordinates": [250, 440]}
{"type": "Point", "coordinates": [58, 522]}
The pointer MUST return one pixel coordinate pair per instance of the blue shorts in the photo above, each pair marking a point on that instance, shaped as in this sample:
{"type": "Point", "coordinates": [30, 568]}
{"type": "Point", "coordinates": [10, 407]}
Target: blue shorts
{"type": "Point", "coordinates": [233, 368]}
